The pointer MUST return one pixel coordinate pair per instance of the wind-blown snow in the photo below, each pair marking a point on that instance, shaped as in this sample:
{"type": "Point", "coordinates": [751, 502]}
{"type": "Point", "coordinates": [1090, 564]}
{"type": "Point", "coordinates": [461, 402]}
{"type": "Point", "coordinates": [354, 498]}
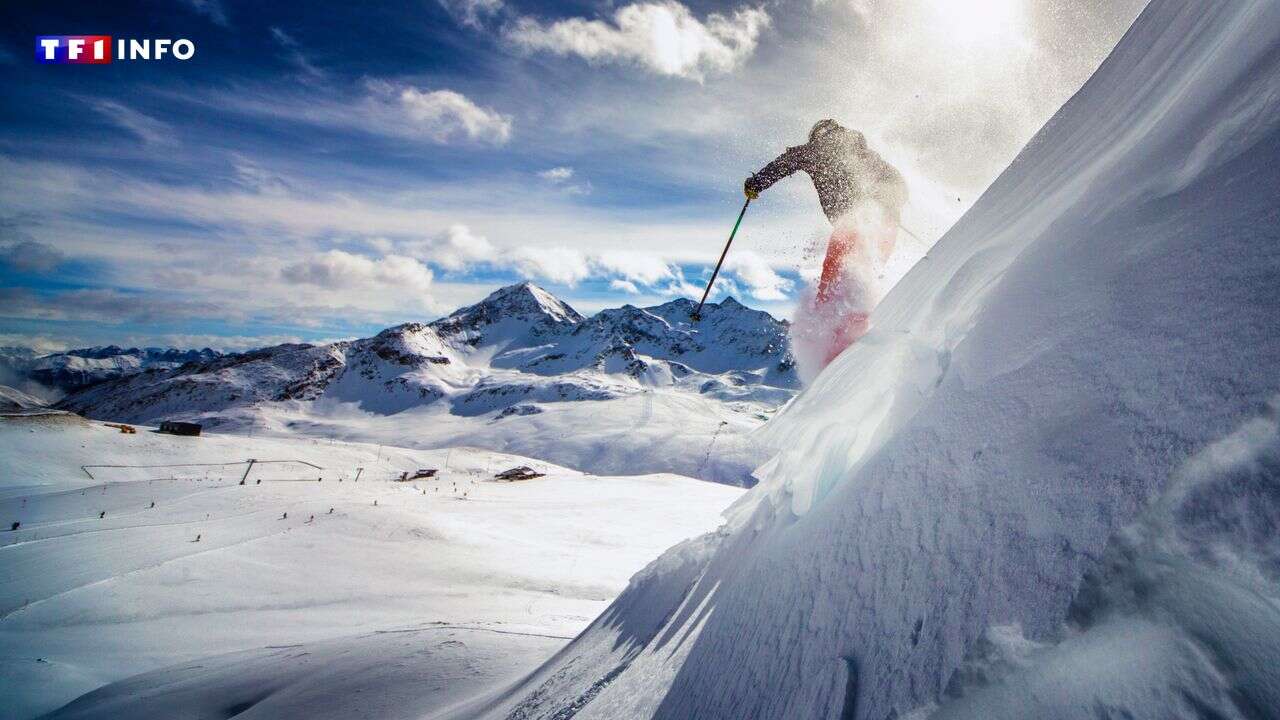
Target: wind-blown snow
{"type": "Point", "coordinates": [980, 510]}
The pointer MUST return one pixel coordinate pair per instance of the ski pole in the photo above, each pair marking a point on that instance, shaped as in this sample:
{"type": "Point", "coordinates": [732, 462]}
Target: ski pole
{"type": "Point", "coordinates": [697, 313]}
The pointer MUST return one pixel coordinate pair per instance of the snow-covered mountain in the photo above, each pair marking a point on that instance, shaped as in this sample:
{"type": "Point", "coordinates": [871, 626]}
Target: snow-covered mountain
{"type": "Point", "coordinates": [72, 370]}
{"type": "Point", "coordinates": [484, 371]}
{"type": "Point", "coordinates": [13, 400]}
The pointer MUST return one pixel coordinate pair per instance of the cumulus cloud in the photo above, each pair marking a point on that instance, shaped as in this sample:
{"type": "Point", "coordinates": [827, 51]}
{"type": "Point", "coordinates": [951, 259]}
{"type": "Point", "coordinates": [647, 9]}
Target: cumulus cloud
{"type": "Point", "coordinates": [443, 115]}
{"type": "Point", "coordinates": [341, 269]}
{"type": "Point", "coordinates": [759, 278]}
{"type": "Point", "coordinates": [562, 265]}
{"type": "Point", "coordinates": [455, 249]}
{"type": "Point", "coordinates": [693, 291]}
{"type": "Point", "coordinates": [461, 249]}
{"type": "Point", "coordinates": [662, 37]}
{"type": "Point", "coordinates": [645, 268]}
{"type": "Point", "coordinates": [625, 286]}
{"type": "Point", "coordinates": [31, 256]}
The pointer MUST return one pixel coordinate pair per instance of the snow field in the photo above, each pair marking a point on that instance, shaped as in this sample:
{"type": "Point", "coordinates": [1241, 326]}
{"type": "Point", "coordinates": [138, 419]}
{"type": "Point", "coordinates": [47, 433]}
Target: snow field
{"type": "Point", "coordinates": [89, 601]}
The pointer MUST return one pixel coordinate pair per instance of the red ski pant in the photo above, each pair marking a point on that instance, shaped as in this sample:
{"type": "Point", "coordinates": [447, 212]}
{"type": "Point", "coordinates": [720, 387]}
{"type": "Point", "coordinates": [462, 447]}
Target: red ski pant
{"type": "Point", "coordinates": [838, 294]}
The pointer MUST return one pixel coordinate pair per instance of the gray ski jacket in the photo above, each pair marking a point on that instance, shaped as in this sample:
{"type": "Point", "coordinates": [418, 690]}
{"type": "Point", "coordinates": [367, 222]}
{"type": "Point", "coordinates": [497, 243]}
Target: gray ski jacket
{"type": "Point", "coordinates": [845, 172]}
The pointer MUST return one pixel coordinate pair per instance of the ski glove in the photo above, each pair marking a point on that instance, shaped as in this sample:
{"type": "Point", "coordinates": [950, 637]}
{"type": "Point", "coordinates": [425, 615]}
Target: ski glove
{"type": "Point", "coordinates": [751, 188]}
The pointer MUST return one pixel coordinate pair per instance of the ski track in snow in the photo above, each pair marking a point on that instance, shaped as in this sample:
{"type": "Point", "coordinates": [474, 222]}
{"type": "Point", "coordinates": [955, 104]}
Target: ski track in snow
{"type": "Point", "coordinates": [87, 605]}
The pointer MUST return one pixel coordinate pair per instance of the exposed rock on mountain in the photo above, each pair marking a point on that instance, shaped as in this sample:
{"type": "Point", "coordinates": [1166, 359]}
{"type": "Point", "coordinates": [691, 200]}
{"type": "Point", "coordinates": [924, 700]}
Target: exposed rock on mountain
{"type": "Point", "coordinates": [504, 360]}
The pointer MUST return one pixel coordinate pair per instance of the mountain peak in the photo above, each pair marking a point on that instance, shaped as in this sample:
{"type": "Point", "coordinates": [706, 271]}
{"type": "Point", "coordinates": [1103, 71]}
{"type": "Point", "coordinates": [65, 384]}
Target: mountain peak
{"type": "Point", "coordinates": [526, 298]}
{"type": "Point", "coordinates": [524, 302]}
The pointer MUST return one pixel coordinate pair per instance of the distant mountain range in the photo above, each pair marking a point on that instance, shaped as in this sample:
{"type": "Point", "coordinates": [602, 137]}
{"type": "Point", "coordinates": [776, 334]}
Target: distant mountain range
{"type": "Point", "coordinates": [627, 390]}
{"type": "Point", "coordinates": [516, 353]}
{"type": "Point", "coordinates": [77, 369]}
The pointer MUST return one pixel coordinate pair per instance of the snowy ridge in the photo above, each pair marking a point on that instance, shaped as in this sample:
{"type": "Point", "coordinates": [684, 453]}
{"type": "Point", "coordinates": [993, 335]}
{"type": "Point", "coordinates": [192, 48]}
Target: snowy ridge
{"type": "Point", "coordinates": [983, 508]}
{"type": "Point", "coordinates": [484, 374]}
{"type": "Point", "coordinates": [75, 369]}
{"type": "Point", "coordinates": [14, 400]}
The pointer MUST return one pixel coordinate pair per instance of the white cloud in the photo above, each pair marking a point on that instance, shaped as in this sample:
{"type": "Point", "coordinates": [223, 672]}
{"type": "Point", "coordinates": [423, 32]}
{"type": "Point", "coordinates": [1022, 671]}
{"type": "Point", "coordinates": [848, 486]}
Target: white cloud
{"type": "Point", "coordinates": [460, 247]}
{"type": "Point", "coordinates": [384, 108]}
{"type": "Point", "coordinates": [556, 174]}
{"type": "Point", "coordinates": [211, 9]}
{"type": "Point", "coordinates": [560, 178]}
{"type": "Point", "coordinates": [336, 246]}
{"type": "Point", "coordinates": [42, 344]}
{"type": "Point", "coordinates": [472, 13]}
{"type": "Point", "coordinates": [562, 265]}
{"type": "Point", "coordinates": [646, 268]}
{"type": "Point", "coordinates": [256, 177]}
{"type": "Point", "coordinates": [663, 37]}
{"type": "Point", "coordinates": [693, 291]}
{"type": "Point", "coordinates": [341, 269]}
{"type": "Point", "coordinates": [455, 249]}
{"type": "Point", "coordinates": [144, 127]}
{"type": "Point", "coordinates": [625, 286]}
{"type": "Point", "coordinates": [761, 280]}
{"type": "Point", "coordinates": [293, 53]}
{"type": "Point", "coordinates": [444, 115]}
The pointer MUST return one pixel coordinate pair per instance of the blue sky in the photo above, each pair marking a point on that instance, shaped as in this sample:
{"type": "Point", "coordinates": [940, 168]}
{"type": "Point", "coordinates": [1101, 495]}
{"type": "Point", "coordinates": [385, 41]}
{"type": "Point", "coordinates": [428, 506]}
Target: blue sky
{"type": "Point", "coordinates": [323, 172]}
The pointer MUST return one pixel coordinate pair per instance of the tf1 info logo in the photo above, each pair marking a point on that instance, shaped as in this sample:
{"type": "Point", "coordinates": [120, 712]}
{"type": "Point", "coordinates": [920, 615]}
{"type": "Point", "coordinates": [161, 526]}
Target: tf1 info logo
{"type": "Point", "coordinates": [97, 49]}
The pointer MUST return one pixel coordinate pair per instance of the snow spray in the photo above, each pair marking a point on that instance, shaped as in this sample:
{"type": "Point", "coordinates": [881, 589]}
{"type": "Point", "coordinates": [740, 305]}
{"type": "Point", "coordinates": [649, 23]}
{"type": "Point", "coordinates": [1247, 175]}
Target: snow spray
{"type": "Point", "coordinates": [835, 314]}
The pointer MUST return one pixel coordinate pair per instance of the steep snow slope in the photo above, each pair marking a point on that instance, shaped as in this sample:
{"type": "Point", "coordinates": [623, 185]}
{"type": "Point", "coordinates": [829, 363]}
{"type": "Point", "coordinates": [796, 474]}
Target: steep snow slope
{"type": "Point", "coordinates": [512, 571]}
{"type": "Point", "coordinates": [13, 400]}
{"type": "Point", "coordinates": [1078, 381]}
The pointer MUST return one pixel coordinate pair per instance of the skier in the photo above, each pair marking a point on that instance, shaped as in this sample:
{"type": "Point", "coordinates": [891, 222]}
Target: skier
{"type": "Point", "coordinates": [862, 196]}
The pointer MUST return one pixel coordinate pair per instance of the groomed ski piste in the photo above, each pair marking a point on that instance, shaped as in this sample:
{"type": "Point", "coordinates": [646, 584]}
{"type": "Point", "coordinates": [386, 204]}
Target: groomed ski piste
{"type": "Point", "coordinates": [1046, 484]}
{"type": "Point", "coordinates": [322, 587]}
